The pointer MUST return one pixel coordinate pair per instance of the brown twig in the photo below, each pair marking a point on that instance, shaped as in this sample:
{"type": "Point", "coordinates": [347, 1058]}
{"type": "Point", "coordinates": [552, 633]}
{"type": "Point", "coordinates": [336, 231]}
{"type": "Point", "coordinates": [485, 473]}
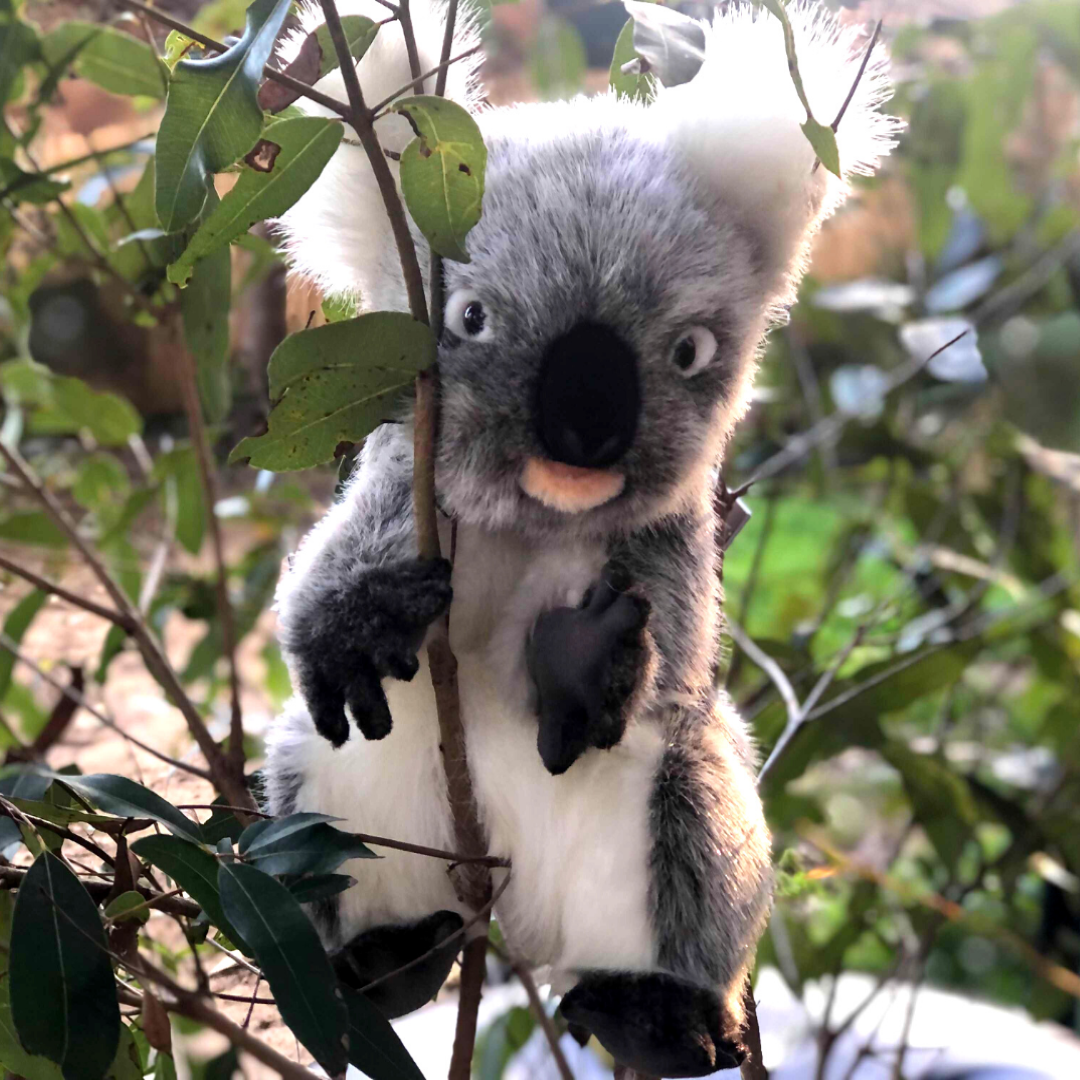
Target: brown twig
{"type": "Point", "coordinates": [295, 85]}
{"type": "Point", "coordinates": [57, 590]}
{"type": "Point", "coordinates": [360, 118]}
{"type": "Point", "coordinates": [440, 69]}
{"type": "Point", "coordinates": [526, 979]}
{"type": "Point", "coordinates": [8, 809]}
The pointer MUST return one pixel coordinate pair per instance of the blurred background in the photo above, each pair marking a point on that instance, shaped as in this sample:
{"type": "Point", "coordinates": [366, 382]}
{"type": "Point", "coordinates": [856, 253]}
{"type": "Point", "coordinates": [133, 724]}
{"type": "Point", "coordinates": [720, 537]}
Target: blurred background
{"type": "Point", "coordinates": [908, 580]}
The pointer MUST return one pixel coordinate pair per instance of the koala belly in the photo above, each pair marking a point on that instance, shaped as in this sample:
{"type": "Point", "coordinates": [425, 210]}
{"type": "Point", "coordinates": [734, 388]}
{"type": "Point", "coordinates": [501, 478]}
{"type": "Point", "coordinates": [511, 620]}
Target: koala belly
{"type": "Point", "coordinates": [579, 843]}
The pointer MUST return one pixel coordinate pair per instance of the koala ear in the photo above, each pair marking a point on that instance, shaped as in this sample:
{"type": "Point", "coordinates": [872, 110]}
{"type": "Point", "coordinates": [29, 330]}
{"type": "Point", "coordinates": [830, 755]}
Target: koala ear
{"type": "Point", "coordinates": [338, 234]}
{"type": "Point", "coordinates": [737, 124]}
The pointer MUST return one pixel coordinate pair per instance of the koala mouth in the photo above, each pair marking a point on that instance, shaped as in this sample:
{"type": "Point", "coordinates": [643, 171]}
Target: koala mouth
{"type": "Point", "coordinates": [569, 488]}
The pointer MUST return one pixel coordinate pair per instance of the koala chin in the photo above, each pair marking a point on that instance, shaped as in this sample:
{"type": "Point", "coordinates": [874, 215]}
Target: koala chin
{"type": "Point", "coordinates": [598, 349]}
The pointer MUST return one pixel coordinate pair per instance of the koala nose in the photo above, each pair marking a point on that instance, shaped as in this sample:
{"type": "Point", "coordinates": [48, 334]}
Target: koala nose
{"type": "Point", "coordinates": [589, 397]}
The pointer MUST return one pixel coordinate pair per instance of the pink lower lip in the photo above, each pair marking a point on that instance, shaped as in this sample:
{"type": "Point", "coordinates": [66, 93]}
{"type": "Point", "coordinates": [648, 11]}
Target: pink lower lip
{"type": "Point", "coordinates": [569, 488]}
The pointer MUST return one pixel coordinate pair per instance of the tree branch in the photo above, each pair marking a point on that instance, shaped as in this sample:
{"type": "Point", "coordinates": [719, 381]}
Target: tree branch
{"type": "Point", "coordinates": [57, 590]}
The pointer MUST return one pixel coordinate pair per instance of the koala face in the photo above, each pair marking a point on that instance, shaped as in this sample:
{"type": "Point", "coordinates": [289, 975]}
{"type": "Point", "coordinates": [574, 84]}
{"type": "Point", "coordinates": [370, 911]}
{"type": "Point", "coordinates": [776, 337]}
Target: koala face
{"type": "Point", "coordinates": [597, 348]}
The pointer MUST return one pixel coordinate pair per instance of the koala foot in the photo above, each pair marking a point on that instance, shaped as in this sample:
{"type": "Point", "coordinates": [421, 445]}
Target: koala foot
{"type": "Point", "coordinates": [354, 638]}
{"type": "Point", "coordinates": [586, 663]}
{"type": "Point", "coordinates": [376, 952]}
{"type": "Point", "coordinates": [654, 1023]}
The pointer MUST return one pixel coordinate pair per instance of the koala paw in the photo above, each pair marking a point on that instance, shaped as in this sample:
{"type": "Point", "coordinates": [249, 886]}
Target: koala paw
{"type": "Point", "coordinates": [586, 663]}
{"type": "Point", "coordinates": [354, 639]}
{"type": "Point", "coordinates": [655, 1024]}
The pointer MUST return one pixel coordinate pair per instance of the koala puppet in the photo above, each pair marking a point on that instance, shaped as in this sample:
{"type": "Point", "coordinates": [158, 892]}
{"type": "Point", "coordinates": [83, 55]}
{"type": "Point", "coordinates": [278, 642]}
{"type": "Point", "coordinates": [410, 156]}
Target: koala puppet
{"type": "Point", "coordinates": [598, 349]}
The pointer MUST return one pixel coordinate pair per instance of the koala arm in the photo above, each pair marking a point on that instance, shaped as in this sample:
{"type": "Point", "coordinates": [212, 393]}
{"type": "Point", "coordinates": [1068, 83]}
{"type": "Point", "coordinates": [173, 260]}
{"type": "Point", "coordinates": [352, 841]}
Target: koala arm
{"type": "Point", "coordinates": [647, 635]}
{"type": "Point", "coordinates": [355, 603]}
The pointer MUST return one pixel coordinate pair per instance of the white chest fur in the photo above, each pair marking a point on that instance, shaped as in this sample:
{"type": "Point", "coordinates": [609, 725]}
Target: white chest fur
{"type": "Point", "coordinates": [579, 843]}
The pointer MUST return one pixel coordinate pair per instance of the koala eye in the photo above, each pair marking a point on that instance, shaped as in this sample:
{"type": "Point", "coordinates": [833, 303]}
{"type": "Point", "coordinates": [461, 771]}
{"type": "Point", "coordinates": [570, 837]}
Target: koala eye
{"type": "Point", "coordinates": [467, 317]}
{"type": "Point", "coordinates": [694, 351]}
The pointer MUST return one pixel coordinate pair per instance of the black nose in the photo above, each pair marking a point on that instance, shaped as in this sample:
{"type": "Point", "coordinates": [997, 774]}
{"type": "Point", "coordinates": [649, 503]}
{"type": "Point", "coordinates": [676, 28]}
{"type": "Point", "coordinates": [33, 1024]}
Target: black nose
{"type": "Point", "coordinates": [589, 397]}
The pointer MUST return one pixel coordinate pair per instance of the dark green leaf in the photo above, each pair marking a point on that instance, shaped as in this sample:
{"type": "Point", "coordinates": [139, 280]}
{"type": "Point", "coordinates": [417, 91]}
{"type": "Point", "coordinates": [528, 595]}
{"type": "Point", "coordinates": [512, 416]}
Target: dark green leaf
{"type": "Point", "coordinates": [292, 959]}
{"type": "Point", "coordinates": [18, 47]}
{"type": "Point", "coordinates": [204, 305]}
{"type": "Point", "coordinates": [635, 86]}
{"type": "Point", "coordinates": [314, 887]}
{"type": "Point", "coordinates": [195, 870]}
{"type": "Point", "coordinates": [123, 797]}
{"type": "Point", "coordinates": [672, 43]}
{"type": "Point", "coordinates": [360, 32]}
{"type": "Point", "coordinates": [339, 382]}
{"type": "Point", "coordinates": [180, 471]}
{"type": "Point", "coordinates": [286, 161]}
{"type": "Point", "coordinates": [25, 783]}
{"type": "Point", "coordinates": [212, 117]}
{"type": "Point", "coordinates": [15, 625]}
{"type": "Point", "coordinates": [300, 844]}
{"type": "Point", "coordinates": [501, 1040]}
{"type": "Point", "coordinates": [114, 60]}
{"type": "Point", "coordinates": [28, 187]}
{"type": "Point", "coordinates": [374, 1046]}
{"type": "Point", "coordinates": [270, 830]}
{"type": "Point", "coordinates": [63, 996]}
{"type": "Point", "coordinates": [442, 172]}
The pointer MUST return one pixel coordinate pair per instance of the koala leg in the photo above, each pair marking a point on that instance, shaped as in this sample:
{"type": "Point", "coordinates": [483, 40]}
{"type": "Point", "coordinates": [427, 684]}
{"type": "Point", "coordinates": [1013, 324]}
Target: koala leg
{"type": "Point", "coordinates": [655, 1023]}
{"type": "Point", "coordinates": [372, 957]}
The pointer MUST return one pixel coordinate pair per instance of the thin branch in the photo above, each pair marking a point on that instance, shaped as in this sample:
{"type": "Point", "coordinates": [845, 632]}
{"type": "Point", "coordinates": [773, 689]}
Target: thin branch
{"type": "Point", "coordinates": [360, 118]}
{"type": "Point", "coordinates": [197, 428]}
{"type": "Point", "coordinates": [295, 85]}
{"type": "Point", "coordinates": [227, 780]}
{"type": "Point", "coordinates": [8, 809]}
{"type": "Point", "coordinates": [56, 590]}
{"type": "Point", "coordinates": [525, 977]}
{"type": "Point", "coordinates": [439, 69]}
{"type": "Point", "coordinates": [404, 16]}
{"type": "Point", "coordinates": [771, 668]}
{"type": "Point", "coordinates": [74, 695]}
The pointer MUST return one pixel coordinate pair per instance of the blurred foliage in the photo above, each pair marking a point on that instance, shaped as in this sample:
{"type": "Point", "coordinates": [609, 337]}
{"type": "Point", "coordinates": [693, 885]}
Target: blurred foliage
{"type": "Point", "coordinates": [910, 567]}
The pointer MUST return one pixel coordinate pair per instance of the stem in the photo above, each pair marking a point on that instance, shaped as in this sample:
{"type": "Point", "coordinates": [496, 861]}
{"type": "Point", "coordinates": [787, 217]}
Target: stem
{"type": "Point", "coordinates": [526, 979]}
{"type": "Point", "coordinates": [360, 119]}
{"type": "Point", "coordinates": [12, 877]}
{"type": "Point", "coordinates": [295, 85]}
{"type": "Point", "coordinates": [56, 590]}
{"type": "Point", "coordinates": [440, 69]}
{"type": "Point", "coordinates": [193, 407]}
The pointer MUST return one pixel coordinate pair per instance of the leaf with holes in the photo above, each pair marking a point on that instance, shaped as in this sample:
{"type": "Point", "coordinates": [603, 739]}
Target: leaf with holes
{"type": "Point", "coordinates": [212, 116]}
{"type": "Point", "coordinates": [63, 996]}
{"type": "Point", "coordinates": [267, 187]}
{"type": "Point", "coordinates": [672, 43]}
{"type": "Point", "coordinates": [442, 172]}
{"type": "Point", "coordinates": [292, 959]}
{"type": "Point", "coordinates": [335, 384]}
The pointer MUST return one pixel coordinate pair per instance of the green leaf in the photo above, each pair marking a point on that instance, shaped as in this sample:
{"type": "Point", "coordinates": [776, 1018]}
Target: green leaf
{"type": "Point", "coordinates": [823, 140]}
{"type": "Point", "coordinates": [12, 1056]}
{"type": "Point", "coordinates": [442, 172]}
{"type": "Point", "coordinates": [286, 161]}
{"type": "Point", "coordinates": [195, 870]}
{"type": "Point", "coordinates": [636, 87]}
{"type": "Point", "coordinates": [123, 797]}
{"type": "Point", "coordinates": [300, 844]}
{"type": "Point", "coordinates": [312, 887]}
{"type": "Point", "coordinates": [115, 640]}
{"type": "Point", "coordinates": [15, 625]}
{"type": "Point", "coordinates": [941, 800]}
{"type": "Point", "coordinates": [28, 187]}
{"type": "Point", "coordinates": [179, 469]}
{"type": "Point", "coordinates": [32, 527]}
{"type": "Point", "coordinates": [116, 61]}
{"type": "Point", "coordinates": [117, 909]}
{"type": "Point", "coordinates": [212, 116]}
{"type": "Point", "coordinates": [18, 47]}
{"type": "Point", "coordinates": [292, 959]}
{"type": "Point", "coordinates": [360, 32]}
{"type": "Point", "coordinates": [204, 306]}
{"type": "Point", "coordinates": [63, 996]}
{"type": "Point", "coordinates": [500, 1041]}
{"type": "Point", "coordinates": [374, 1046]}
{"type": "Point", "coordinates": [73, 405]}
{"type": "Point", "coordinates": [26, 783]}
{"type": "Point", "coordinates": [336, 383]}
{"type": "Point", "coordinates": [673, 44]}
{"type": "Point", "coordinates": [100, 483]}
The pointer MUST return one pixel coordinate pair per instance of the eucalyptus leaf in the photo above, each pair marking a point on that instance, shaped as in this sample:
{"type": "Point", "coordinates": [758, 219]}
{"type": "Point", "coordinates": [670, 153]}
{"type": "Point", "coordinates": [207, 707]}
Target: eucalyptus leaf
{"type": "Point", "coordinates": [300, 844]}
{"type": "Point", "coordinates": [442, 172]}
{"type": "Point", "coordinates": [123, 797]}
{"type": "Point", "coordinates": [374, 1046]}
{"type": "Point", "coordinates": [672, 43]}
{"type": "Point", "coordinates": [312, 887]}
{"type": "Point", "coordinates": [293, 154]}
{"type": "Point", "coordinates": [204, 307]}
{"type": "Point", "coordinates": [334, 384]}
{"type": "Point", "coordinates": [19, 45]}
{"type": "Point", "coordinates": [116, 61]}
{"type": "Point", "coordinates": [63, 996]}
{"type": "Point", "coordinates": [15, 625]}
{"type": "Point", "coordinates": [292, 959]}
{"type": "Point", "coordinates": [212, 116]}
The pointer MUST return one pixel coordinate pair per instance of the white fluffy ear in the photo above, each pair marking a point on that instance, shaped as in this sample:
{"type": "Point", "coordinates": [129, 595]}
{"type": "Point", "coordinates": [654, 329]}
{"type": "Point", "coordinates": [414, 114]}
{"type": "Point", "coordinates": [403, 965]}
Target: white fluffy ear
{"type": "Point", "coordinates": [738, 124]}
{"type": "Point", "coordinates": [338, 233]}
